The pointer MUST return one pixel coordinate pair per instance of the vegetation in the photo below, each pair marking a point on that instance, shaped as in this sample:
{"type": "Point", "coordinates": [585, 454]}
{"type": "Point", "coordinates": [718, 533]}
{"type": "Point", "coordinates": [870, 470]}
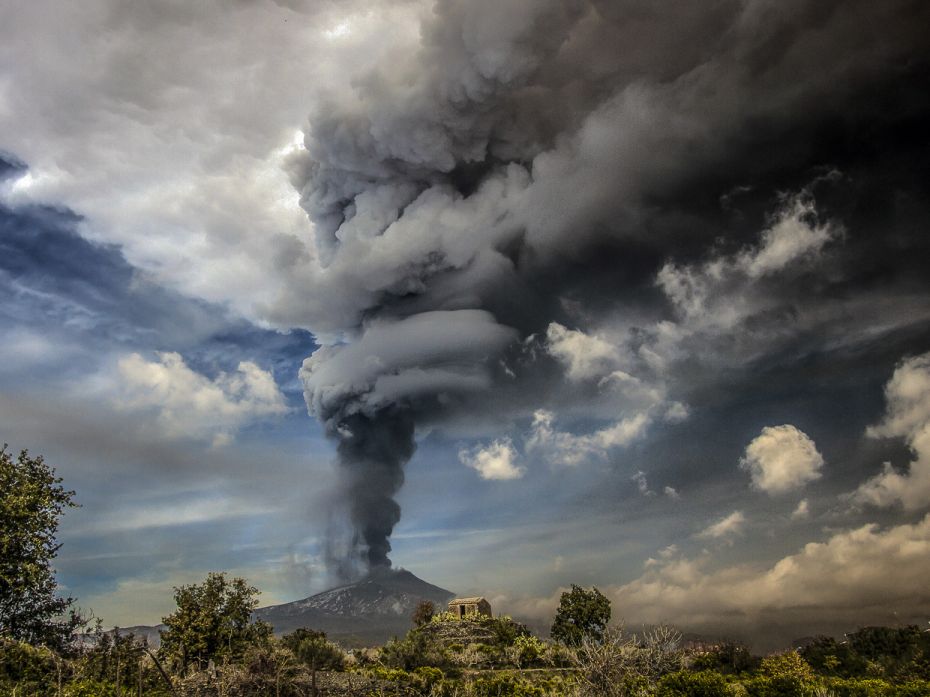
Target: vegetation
{"type": "Point", "coordinates": [423, 613]}
{"type": "Point", "coordinates": [582, 615]}
{"type": "Point", "coordinates": [213, 621]}
{"type": "Point", "coordinates": [32, 501]}
{"type": "Point", "coordinates": [211, 646]}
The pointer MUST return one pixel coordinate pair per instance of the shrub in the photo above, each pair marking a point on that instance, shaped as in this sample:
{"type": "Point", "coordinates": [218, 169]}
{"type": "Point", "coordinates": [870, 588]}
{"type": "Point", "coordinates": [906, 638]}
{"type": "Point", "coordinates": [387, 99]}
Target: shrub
{"type": "Point", "coordinates": [505, 629]}
{"type": "Point", "coordinates": [505, 686]}
{"type": "Point", "coordinates": [782, 686]}
{"type": "Point", "coordinates": [528, 650]}
{"type": "Point", "coordinates": [423, 614]}
{"type": "Point", "coordinates": [313, 650]}
{"type": "Point", "coordinates": [857, 687]}
{"type": "Point", "coordinates": [31, 668]}
{"type": "Point", "coordinates": [688, 684]}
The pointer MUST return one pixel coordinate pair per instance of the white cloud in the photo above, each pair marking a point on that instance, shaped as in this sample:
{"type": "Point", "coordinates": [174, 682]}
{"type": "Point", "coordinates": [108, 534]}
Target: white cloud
{"type": "Point", "coordinates": [568, 449]}
{"type": "Point", "coordinates": [677, 412]}
{"type": "Point", "coordinates": [794, 234]}
{"type": "Point", "coordinates": [716, 297]}
{"type": "Point", "coordinates": [199, 510]}
{"type": "Point", "coordinates": [832, 586]}
{"type": "Point", "coordinates": [188, 404]}
{"type": "Point", "coordinates": [907, 416]}
{"type": "Point", "coordinates": [802, 511]}
{"type": "Point", "coordinates": [671, 492]}
{"type": "Point", "coordinates": [642, 485]}
{"type": "Point", "coordinates": [725, 527]}
{"type": "Point", "coordinates": [781, 458]}
{"type": "Point", "coordinates": [584, 356]}
{"type": "Point", "coordinates": [846, 576]}
{"type": "Point", "coordinates": [495, 461]}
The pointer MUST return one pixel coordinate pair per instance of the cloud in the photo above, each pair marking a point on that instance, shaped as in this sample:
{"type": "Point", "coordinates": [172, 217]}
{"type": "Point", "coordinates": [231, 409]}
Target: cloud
{"type": "Point", "coordinates": [907, 416]}
{"type": "Point", "coordinates": [570, 450]}
{"type": "Point", "coordinates": [642, 485]}
{"type": "Point", "coordinates": [497, 460]}
{"type": "Point", "coordinates": [833, 586]}
{"type": "Point", "coordinates": [188, 404]}
{"type": "Point", "coordinates": [583, 355]}
{"type": "Point", "coordinates": [842, 580]}
{"type": "Point", "coordinates": [795, 234]}
{"type": "Point", "coordinates": [802, 512]}
{"type": "Point", "coordinates": [781, 459]}
{"type": "Point", "coordinates": [671, 492]}
{"type": "Point", "coordinates": [728, 526]}
{"type": "Point", "coordinates": [721, 292]}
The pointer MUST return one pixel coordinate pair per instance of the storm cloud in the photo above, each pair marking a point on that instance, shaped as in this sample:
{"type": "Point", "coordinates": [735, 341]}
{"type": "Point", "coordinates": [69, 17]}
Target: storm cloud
{"type": "Point", "coordinates": [551, 258]}
{"type": "Point", "coordinates": [482, 170]}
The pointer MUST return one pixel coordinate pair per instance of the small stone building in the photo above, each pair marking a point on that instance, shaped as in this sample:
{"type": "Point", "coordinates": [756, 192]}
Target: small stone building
{"type": "Point", "coordinates": [470, 606]}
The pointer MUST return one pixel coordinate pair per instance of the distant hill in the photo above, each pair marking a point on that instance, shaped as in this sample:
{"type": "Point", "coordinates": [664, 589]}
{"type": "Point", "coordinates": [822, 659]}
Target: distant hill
{"type": "Point", "coordinates": [365, 613]}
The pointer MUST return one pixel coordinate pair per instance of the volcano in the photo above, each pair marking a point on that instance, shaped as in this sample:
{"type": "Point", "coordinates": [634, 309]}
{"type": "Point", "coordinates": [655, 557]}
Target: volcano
{"type": "Point", "coordinates": [367, 612]}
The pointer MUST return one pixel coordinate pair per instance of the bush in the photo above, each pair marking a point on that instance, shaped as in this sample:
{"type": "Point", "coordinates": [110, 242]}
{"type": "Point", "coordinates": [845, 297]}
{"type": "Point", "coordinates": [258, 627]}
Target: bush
{"type": "Point", "coordinates": [313, 650]}
{"type": "Point", "coordinates": [506, 631]}
{"type": "Point", "coordinates": [857, 687]}
{"type": "Point", "coordinates": [729, 658]}
{"type": "Point", "coordinates": [782, 686]}
{"type": "Point", "coordinates": [505, 686]}
{"type": "Point", "coordinates": [528, 650]}
{"type": "Point", "coordinates": [413, 651]}
{"type": "Point", "coordinates": [32, 669]}
{"type": "Point", "coordinates": [688, 684]}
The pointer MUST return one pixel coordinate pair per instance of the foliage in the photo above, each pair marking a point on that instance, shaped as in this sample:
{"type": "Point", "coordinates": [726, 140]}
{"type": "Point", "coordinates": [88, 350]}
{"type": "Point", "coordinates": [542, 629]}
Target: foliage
{"type": "Point", "coordinates": [893, 653]}
{"type": "Point", "coordinates": [789, 664]}
{"type": "Point", "coordinates": [582, 615]}
{"type": "Point", "coordinates": [313, 650]}
{"type": "Point", "coordinates": [505, 685]}
{"type": "Point", "coordinates": [423, 613]}
{"type": "Point", "coordinates": [213, 620]}
{"type": "Point", "coordinates": [617, 666]}
{"type": "Point", "coordinates": [413, 651]}
{"type": "Point", "coordinates": [506, 631]}
{"type": "Point", "coordinates": [728, 657]}
{"type": "Point", "coordinates": [528, 650]}
{"type": "Point", "coordinates": [33, 669]}
{"type": "Point", "coordinates": [32, 501]}
{"type": "Point", "coordinates": [688, 684]}
{"type": "Point", "coordinates": [119, 659]}
{"type": "Point", "coordinates": [446, 616]}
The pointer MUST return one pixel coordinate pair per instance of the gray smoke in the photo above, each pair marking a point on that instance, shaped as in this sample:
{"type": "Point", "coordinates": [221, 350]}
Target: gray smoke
{"type": "Point", "coordinates": [539, 161]}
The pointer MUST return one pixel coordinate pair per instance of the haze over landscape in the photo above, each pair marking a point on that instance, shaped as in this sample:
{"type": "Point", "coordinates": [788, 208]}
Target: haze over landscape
{"type": "Point", "coordinates": [511, 295]}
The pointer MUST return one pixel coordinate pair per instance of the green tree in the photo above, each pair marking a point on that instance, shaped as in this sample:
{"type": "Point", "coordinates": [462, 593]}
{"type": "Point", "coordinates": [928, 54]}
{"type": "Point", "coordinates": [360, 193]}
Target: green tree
{"type": "Point", "coordinates": [313, 650]}
{"type": "Point", "coordinates": [582, 614]}
{"type": "Point", "coordinates": [213, 620]}
{"type": "Point", "coordinates": [31, 502]}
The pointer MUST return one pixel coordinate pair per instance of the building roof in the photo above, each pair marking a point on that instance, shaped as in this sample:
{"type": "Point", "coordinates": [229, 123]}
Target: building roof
{"type": "Point", "coordinates": [466, 601]}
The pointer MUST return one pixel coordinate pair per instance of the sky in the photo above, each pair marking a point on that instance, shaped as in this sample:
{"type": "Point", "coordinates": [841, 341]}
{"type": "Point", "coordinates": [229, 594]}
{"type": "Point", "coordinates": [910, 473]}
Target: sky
{"type": "Point", "coordinates": [512, 295]}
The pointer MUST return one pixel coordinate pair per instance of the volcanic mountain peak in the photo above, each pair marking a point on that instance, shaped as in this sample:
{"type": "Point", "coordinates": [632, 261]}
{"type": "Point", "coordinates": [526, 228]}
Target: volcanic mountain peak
{"type": "Point", "coordinates": [370, 610]}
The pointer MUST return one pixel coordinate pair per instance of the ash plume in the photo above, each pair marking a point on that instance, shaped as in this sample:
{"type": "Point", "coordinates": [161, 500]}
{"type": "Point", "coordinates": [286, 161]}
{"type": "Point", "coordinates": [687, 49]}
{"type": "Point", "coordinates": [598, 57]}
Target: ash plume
{"type": "Point", "coordinates": [538, 162]}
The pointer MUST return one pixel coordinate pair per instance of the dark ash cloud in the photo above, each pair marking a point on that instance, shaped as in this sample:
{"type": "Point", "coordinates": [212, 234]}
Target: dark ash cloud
{"type": "Point", "coordinates": [547, 162]}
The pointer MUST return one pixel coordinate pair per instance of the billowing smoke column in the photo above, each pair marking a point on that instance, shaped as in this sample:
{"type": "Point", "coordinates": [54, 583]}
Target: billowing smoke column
{"type": "Point", "coordinates": [373, 450]}
{"type": "Point", "coordinates": [369, 394]}
{"type": "Point", "coordinates": [534, 162]}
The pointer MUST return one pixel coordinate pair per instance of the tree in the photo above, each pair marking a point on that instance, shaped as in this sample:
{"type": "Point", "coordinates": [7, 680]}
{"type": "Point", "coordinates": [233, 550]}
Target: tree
{"type": "Point", "coordinates": [313, 650]}
{"type": "Point", "coordinates": [423, 613]}
{"type": "Point", "coordinates": [213, 620]}
{"type": "Point", "coordinates": [582, 614]}
{"type": "Point", "coordinates": [31, 502]}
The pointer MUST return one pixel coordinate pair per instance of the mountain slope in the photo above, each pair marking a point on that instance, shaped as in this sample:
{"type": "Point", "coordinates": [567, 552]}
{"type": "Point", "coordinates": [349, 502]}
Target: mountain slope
{"type": "Point", "coordinates": [367, 612]}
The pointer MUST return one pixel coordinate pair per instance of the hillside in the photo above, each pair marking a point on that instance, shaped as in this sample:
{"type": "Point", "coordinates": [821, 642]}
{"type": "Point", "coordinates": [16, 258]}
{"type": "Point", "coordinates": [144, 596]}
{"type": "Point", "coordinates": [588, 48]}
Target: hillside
{"type": "Point", "coordinates": [365, 613]}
